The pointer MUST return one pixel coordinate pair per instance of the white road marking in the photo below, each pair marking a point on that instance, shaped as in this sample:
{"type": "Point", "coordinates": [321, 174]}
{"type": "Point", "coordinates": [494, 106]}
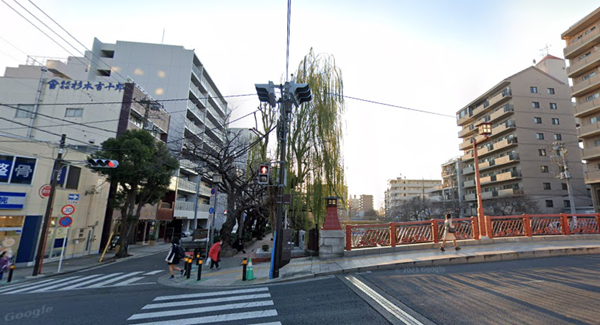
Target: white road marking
{"type": "Point", "coordinates": [206, 301]}
{"type": "Point", "coordinates": [198, 310]}
{"type": "Point", "coordinates": [38, 285]}
{"type": "Point", "coordinates": [153, 272]}
{"type": "Point", "coordinates": [54, 286]}
{"type": "Point", "coordinates": [88, 282]}
{"type": "Point", "coordinates": [23, 285]}
{"type": "Point", "coordinates": [273, 323]}
{"type": "Point", "coordinates": [128, 281]}
{"type": "Point", "coordinates": [389, 306]}
{"type": "Point", "coordinates": [101, 284]}
{"type": "Point", "coordinates": [216, 318]}
{"type": "Point", "coordinates": [211, 294]}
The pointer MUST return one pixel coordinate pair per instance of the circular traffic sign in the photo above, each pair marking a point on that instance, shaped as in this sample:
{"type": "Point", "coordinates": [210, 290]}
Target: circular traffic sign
{"type": "Point", "coordinates": [68, 209]}
{"type": "Point", "coordinates": [65, 221]}
{"type": "Point", "coordinates": [213, 191]}
{"type": "Point", "coordinates": [45, 191]}
{"type": "Point", "coordinates": [211, 210]}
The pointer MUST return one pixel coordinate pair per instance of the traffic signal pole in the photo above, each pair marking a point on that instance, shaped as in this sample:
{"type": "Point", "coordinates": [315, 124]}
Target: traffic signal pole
{"type": "Point", "coordinates": [41, 248]}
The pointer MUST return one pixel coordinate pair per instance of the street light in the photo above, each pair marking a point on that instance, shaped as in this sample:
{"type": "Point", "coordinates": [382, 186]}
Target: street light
{"type": "Point", "coordinates": [484, 129]}
{"type": "Point", "coordinates": [216, 181]}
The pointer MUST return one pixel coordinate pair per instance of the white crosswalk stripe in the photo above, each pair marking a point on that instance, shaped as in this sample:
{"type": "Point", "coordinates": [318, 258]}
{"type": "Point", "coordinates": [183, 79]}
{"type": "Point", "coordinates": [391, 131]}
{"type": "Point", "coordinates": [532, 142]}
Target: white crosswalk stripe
{"type": "Point", "coordinates": [153, 272]}
{"type": "Point", "coordinates": [209, 307]}
{"type": "Point", "coordinates": [76, 283]}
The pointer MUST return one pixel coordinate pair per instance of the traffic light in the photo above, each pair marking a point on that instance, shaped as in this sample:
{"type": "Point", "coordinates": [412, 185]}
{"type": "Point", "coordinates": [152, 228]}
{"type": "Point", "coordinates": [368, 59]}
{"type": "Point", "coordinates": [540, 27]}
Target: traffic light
{"type": "Point", "coordinates": [102, 163]}
{"type": "Point", "coordinates": [266, 93]}
{"type": "Point", "coordinates": [263, 174]}
{"type": "Point", "coordinates": [300, 93]}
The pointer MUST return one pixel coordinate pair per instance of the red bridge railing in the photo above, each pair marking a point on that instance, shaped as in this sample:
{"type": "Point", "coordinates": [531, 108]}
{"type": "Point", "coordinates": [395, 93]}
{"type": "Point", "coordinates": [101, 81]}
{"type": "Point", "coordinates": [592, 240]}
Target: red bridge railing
{"type": "Point", "coordinates": [413, 232]}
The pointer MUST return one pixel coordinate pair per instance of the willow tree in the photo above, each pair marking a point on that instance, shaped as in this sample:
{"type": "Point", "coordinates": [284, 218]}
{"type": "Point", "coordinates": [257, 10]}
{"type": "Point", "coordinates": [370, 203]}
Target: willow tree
{"type": "Point", "coordinates": [316, 168]}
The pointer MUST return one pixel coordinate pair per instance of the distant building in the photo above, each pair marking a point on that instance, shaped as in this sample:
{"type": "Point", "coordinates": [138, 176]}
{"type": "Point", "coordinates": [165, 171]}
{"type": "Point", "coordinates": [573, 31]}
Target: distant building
{"type": "Point", "coordinates": [583, 52]}
{"type": "Point", "coordinates": [400, 190]}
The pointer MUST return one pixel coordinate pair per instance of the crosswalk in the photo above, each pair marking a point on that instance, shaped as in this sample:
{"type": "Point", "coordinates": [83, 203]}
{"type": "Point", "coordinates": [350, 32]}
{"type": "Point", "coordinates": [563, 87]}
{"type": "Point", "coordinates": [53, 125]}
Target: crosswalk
{"type": "Point", "coordinates": [77, 282]}
{"type": "Point", "coordinates": [248, 305]}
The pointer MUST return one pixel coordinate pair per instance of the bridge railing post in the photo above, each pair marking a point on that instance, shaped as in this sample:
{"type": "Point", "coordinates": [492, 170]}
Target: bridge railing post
{"type": "Point", "coordinates": [348, 237]}
{"type": "Point", "coordinates": [565, 224]}
{"type": "Point", "coordinates": [527, 225]}
{"type": "Point", "coordinates": [435, 231]}
{"type": "Point", "coordinates": [392, 234]}
{"type": "Point", "coordinates": [490, 229]}
{"type": "Point", "coordinates": [475, 226]}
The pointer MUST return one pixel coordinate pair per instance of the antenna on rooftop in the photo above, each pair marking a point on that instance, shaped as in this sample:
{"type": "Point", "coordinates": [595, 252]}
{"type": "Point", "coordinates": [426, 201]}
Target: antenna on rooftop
{"type": "Point", "coordinates": [545, 49]}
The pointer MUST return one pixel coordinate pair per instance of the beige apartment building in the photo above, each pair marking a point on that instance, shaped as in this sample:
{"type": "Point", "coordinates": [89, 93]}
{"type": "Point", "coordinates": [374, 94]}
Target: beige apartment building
{"type": "Point", "coordinates": [530, 112]}
{"type": "Point", "coordinates": [583, 52]}
{"type": "Point", "coordinates": [401, 189]}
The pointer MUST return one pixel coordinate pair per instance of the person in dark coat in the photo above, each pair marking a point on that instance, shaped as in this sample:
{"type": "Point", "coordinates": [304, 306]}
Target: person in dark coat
{"type": "Point", "coordinates": [239, 246]}
{"type": "Point", "coordinates": [173, 258]}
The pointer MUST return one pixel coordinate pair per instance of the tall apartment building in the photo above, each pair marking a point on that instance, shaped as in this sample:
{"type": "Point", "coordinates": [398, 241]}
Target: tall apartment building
{"type": "Point", "coordinates": [583, 52]}
{"type": "Point", "coordinates": [401, 189]}
{"type": "Point", "coordinates": [198, 109]}
{"type": "Point", "coordinates": [528, 111]}
{"type": "Point", "coordinates": [366, 203]}
{"type": "Point", "coordinates": [451, 186]}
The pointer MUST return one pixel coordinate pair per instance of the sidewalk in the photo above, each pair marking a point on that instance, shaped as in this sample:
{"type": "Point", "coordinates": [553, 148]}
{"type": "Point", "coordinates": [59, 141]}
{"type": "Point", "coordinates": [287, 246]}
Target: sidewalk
{"type": "Point", "coordinates": [308, 267]}
{"type": "Point", "coordinates": [84, 262]}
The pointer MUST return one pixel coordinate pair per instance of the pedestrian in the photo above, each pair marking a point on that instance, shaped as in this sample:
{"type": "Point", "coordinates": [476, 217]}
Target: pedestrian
{"type": "Point", "coordinates": [449, 232]}
{"type": "Point", "coordinates": [215, 254]}
{"type": "Point", "coordinates": [4, 263]}
{"type": "Point", "coordinates": [239, 246]}
{"type": "Point", "coordinates": [174, 256]}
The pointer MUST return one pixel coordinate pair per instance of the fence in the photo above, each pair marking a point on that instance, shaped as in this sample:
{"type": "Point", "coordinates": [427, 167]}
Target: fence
{"type": "Point", "coordinates": [430, 231]}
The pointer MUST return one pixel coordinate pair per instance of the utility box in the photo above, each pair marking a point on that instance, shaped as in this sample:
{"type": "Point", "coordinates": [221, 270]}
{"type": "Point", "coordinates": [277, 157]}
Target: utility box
{"type": "Point", "coordinates": [301, 235]}
{"type": "Point", "coordinates": [286, 249]}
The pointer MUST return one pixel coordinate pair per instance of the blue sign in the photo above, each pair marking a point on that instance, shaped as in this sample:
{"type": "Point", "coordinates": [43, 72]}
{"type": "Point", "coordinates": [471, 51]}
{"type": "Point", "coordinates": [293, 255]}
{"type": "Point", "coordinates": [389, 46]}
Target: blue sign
{"type": "Point", "coordinates": [23, 171]}
{"type": "Point", "coordinates": [5, 168]}
{"type": "Point", "coordinates": [211, 210]}
{"type": "Point", "coordinates": [61, 175]}
{"type": "Point", "coordinates": [213, 191]}
{"type": "Point", "coordinates": [12, 200]}
{"type": "Point", "coordinates": [73, 197]}
{"type": "Point", "coordinates": [65, 221]}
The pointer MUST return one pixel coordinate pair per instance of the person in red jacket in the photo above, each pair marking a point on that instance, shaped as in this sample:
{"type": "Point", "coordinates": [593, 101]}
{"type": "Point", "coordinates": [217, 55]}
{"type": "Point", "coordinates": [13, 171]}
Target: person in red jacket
{"type": "Point", "coordinates": [215, 255]}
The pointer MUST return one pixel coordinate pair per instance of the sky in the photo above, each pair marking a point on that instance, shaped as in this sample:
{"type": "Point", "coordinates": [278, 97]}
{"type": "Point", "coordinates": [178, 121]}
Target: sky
{"type": "Point", "coordinates": [432, 56]}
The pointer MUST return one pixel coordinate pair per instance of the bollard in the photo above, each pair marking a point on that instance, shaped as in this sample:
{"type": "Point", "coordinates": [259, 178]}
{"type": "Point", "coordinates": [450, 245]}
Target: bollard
{"type": "Point", "coordinates": [199, 267]}
{"type": "Point", "coordinates": [188, 271]}
{"type": "Point", "coordinates": [244, 265]}
{"type": "Point", "coordinates": [11, 269]}
{"type": "Point", "coordinates": [185, 265]}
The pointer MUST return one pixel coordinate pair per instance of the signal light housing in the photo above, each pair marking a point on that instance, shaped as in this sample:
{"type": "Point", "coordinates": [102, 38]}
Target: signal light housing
{"type": "Point", "coordinates": [263, 174]}
{"type": "Point", "coordinates": [102, 163]}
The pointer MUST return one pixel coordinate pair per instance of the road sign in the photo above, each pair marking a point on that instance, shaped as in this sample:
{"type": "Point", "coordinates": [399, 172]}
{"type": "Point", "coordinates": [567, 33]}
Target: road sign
{"type": "Point", "coordinates": [73, 197]}
{"type": "Point", "coordinates": [213, 191]}
{"type": "Point", "coordinates": [211, 210]}
{"type": "Point", "coordinates": [65, 221]}
{"type": "Point", "coordinates": [67, 209]}
{"type": "Point", "coordinates": [45, 191]}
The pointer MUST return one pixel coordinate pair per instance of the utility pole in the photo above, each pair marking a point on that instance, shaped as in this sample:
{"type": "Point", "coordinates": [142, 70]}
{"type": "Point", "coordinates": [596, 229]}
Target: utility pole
{"type": "Point", "coordinates": [565, 174]}
{"type": "Point", "coordinates": [39, 258]}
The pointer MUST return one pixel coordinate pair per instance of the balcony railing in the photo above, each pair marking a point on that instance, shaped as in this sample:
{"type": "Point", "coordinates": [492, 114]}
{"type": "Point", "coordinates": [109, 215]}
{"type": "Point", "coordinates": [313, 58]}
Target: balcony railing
{"type": "Point", "coordinates": [488, 195]}
{"type": "Point", "coordinates": [193, 127]}
{"type": "Point", "coordinates": [576, 45]}
{"type": "Point", "coordinates": [590, 153]}
{"type": "Point", "coordinates": [470, 197]}
{"type": "Point", "coordinates": [469, 183]}
{"type": "Point", "coordinates": [588, 129]}
{"type": "Point", "coordinates": [509, 125]}
{"type": "Point", "coordinates": [507, 109]}
{"type": "Point", "coordinates": [468, 170]}
{"type": "Point", "coordinates": [506, 159]}
{"type": "Point", "coordinates": [184, 184]}
{"type": "Point", "coordinates": [585, 85]}
{"type": "Point", "coordinates": [592, 176]}
{"type": "Point", "coordinates": [467, 131]}
{"type": "Point", "coordinates": [510, 192]}
{"type": "Point", "coordinates": [579, 66]}
{"type": "Point", "coordinates": [467, 156]}
{"type": "Point", "coordinates": [184, 205]}
{"type": "Point", "coordinates": [466, 144]}
{"type": "Point", "coordinates": [587, 107]}
{"type": "Point", "coordinates": [513, 174]}
{"type": "Point", "coordinates": [487, 179]}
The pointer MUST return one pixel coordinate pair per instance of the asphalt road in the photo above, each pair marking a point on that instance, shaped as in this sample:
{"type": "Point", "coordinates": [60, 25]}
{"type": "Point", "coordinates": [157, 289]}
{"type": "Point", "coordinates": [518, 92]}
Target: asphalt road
{"type": "Point", "coordinates": [563, 290]}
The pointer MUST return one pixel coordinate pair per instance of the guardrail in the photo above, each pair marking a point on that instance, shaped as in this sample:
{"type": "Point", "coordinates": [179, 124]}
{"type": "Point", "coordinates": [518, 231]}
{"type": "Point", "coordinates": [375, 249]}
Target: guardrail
{"type": "Point", "coordinates": [430, 231]}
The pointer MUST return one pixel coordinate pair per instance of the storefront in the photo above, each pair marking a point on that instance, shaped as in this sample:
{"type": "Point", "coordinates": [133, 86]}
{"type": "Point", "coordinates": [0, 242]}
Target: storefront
{"type": "Point", "coordinates": [11, 228]}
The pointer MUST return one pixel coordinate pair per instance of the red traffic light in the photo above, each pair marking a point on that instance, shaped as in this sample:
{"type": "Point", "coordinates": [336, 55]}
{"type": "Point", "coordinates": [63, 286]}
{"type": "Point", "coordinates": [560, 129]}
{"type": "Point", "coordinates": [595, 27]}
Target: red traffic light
{"type": "Point", "coordinates": [263, 170]}
{"type": "Point", "coordinates": [102, 163]}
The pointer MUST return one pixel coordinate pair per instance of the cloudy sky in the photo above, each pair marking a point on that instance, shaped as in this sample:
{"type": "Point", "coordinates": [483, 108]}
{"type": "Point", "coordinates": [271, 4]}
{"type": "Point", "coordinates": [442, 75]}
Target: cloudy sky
{"type": "Point", "coordinates": [433, 56]}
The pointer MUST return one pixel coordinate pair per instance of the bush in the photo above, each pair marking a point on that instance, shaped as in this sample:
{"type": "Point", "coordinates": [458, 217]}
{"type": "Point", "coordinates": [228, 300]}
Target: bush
{"type": "Point", "coordinates": [265, 248]}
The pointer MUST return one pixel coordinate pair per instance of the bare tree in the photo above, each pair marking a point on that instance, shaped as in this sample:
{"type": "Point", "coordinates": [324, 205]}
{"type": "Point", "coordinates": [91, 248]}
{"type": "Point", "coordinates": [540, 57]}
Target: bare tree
{"type": "Point", "coordinates": [511, 205]}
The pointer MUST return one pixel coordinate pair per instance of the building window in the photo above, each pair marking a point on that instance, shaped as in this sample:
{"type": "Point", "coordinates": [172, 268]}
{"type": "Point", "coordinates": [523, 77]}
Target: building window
{"type": "Point", "coordinates": [535, 104]}
{"type": "Point", "coordinates": [542, 152]}
{"type": "Point", "coordinates": [567, 203]}
{"type": "Point", "coordinates": [545, 169]}
{"type": "Point", "coordinates": [74, 112]}
{"type": "Point", "coordinates": [564, 186]}
{"type": "Point", "coordinates": [597, 144]}
{"type": "Point", "coordinates": [537, 120]}
{"type": "Point", "coordinates": [539, 136]}
{"type": "Point", "coordinates": [24, 111]}
{"type": "Point", "coordinates": [553, 106]}
{"type": "Point", "coordinates": [591, 97]}
{"type": "Point", "coordinates": [547, 186]}
{"type": "Point", "coordinates": [555, 121]}
{"type": "Point", "coordinates": [533, 90]}
{"type": "Point", "coordinates": [549, 204]}
{"type": "Point", "coordinates": [588, 76]}
{"type": "Point", "coordinates": [558, 137]}
{"type": "Point", "coordinates": [551, 91]}
{"type": "Point", "coordinates": [68, 177]}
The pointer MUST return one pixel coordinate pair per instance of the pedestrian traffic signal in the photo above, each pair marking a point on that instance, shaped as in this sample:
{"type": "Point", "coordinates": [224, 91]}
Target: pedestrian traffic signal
{"type": "Point", "coordinates": [263, 174]}
{"type": "Point", "coordinates": [102, 163]}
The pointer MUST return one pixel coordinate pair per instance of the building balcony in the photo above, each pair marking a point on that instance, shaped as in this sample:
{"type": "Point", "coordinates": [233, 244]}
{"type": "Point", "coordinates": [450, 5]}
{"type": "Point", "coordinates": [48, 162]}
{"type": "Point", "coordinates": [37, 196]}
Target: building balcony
{"type": "Point", "coordinates": [506, 159]}
{"type": "Point", "coordinates": [592, 177]}
{"type": "Point", "coordinates": [487, 164]}
{"type": "Point", "coordinates": [479, 110]}
{"type": "Point", "coordinates": [485, 150]}
{"type": "Point", "coordinates": [184, 205]}
{"type": "Point", "coordinates": [502, 112]}
{"type": "Point", "coordinates": [577, 47]}
{"type": "Point", "coordinates": [510, 125]}
{"type": "Point", "coordinates": [584, 86]}
{"type": "Point", "coordinates": [510, 192]}
{"type": "Point", "coordinates": [502, 144]}
{"type": "Point", "coordinates": [581, 66]}
{"type": "Point", "coordinates": [467, 156]}
{"type": "Point", "coordinates": [463, 120]}
{"type": "Point", "coordinates": [470, 197]}
{"type": "Point", "coordinates": [195, 112]}
{"type": "Point", "coordinates": [499, 98]}
{"type": "Point", "coordinates": [587, 130]}
{"type": "Point", "coordinates": [469, 183]}
{"type": "Point", "coordinates": [467, 131]}
{"type": "Point", "coordinates": [510, 175]}
{"type": "Point", "coordinates": [468, 170]}
{"type": "Point", "coordinates": [193, 128]}
{"type": "Point", "coordinates": [488, 195]}
{"type": "Point", "coordinates": [487, 179]}
{"type": "Point", "coordinates": [590, 153]}
{"type": "Point", "coordinates": [468, 143]}
{"type": "Point", "coordinates": [587, 108]}
{"type": "Point", "coordinates": [185, 185]}
{"type": "Point", "coordinates": [188, 164]}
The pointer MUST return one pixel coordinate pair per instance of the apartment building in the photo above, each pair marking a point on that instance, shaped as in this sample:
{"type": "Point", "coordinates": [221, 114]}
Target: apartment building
{"type": "Point", "coordinates": [176, 77]}
{"type": "Point", "coordinates": [451, 184]}
{"type": "Point", "coordinates": [582, 50]}
{"type": "Point", "coordinates": [365, 203]}
{"type": "Point", "coordinates": [400, 190]}
{"type": "Point", "coordinates": [530, 113]}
